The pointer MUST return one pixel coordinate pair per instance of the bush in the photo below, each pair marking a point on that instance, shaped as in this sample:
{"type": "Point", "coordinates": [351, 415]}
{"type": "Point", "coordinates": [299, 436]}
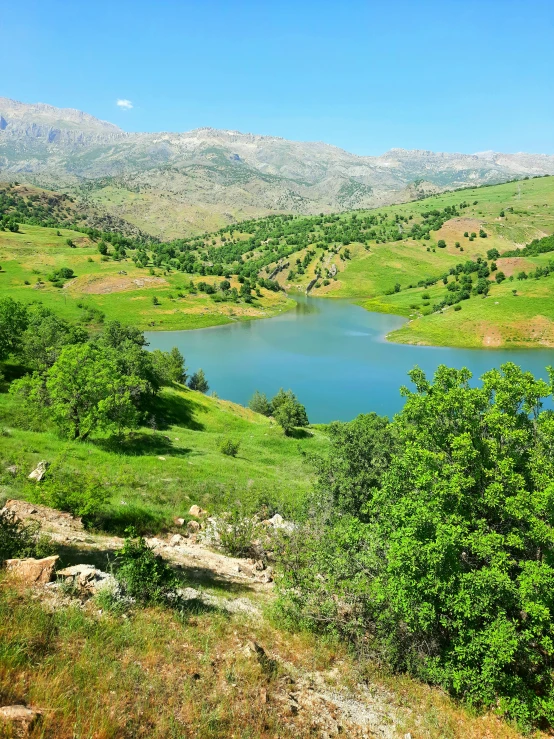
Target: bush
{"type": "Point", "coordinates": [141, 574]}
{"type": "Point", "coordinates": [21, 539]}
{"type": "Point", "coordinates": [78, 493]}
{"type": "Point", "coordinates": [236, 532]}
{"type": "Point", "coordinates": [229, 447]}
{"type": "Point", "coordinates": [457, 307]}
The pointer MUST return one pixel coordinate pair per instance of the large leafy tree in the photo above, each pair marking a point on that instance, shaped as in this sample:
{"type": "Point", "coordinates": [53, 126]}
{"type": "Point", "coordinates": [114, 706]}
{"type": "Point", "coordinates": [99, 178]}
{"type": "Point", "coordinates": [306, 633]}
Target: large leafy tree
{"type": "Point", "coordinates": [84, 391]}
{"type": "Point", "coordinates": [449, 559]}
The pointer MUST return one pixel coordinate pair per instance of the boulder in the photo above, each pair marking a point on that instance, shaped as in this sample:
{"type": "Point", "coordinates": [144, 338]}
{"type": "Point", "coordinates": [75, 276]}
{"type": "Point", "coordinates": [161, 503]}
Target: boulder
{"type": "Point", "coordinates": [176, 540]}
{"type": "Point", "coordinates": [18, 721]}
{"type": "Point", "coordinates": [40, 470]}
{"type": "Point", "coordinates": [12, 469]}
{"type": "Point", "coordinates": [179, 521]}
{"type": "Point", "coordinates": [86, 578]}
{"type": "Point", "coordinates": [31, 571]}
{"type": "Point", "coordinates": [196, 511]}
{"type": "Point", "coordinates": [193, 527]}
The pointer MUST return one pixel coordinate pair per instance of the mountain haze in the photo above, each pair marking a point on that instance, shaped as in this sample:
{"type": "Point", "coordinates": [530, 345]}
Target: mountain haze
{"type": "Point", "coordinates": [169, 184]}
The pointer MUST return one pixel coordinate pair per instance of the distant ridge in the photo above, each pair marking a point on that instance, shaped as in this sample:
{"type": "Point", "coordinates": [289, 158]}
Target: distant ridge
{"type": "Point", "coordinates": [170, 183]}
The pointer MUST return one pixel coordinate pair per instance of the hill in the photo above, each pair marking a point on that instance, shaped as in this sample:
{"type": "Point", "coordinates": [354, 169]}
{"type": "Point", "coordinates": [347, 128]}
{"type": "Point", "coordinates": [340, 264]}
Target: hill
{"type": "Point", "coordinates": [406, 259]}
{"type": "Point", "coordinates": [174, 184]}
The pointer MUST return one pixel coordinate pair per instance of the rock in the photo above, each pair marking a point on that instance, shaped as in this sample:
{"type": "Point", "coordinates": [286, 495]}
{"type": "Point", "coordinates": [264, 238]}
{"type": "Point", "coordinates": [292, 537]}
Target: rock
{"type": "Point", "coordinates": [31, 571]}
{"type": "Point", "coordinates": [86, 578]}
{"type": "Point", "coordinates": [193, 527]}
{"type": "Point", "coordinates": [176, 540]}
{"type": "Point", "coordinates": [196, 511]}
{"type": "Point", "coordinates": [12, 469]}
{"type": "Point", "coordinates": [18, 720]}
{"type": "Point", "coordinates": [39, 471]}
{"type": "Point", "coordinates": [179, 521]}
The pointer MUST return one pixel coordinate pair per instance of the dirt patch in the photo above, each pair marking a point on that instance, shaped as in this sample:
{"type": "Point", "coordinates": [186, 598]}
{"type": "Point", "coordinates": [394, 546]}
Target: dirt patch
{"type": "Point", "coordinates": [105, 284]}
{"type": "Point", "coordinates": [492, 336]}
{"type": "Point", "coordinates": [513, 265]}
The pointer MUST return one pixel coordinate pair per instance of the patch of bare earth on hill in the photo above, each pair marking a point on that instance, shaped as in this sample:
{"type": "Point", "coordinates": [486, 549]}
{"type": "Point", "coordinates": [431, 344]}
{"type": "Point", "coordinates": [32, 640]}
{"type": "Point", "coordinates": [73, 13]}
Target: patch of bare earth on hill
{"type": "Point", "coordinates": [512, 265]}
{"type": "Point", "coordinates": [454, 229]}
{"type": "Point", "coordinates": [491, 335]}
{"type": "Point", "coordinates": [105, 284]}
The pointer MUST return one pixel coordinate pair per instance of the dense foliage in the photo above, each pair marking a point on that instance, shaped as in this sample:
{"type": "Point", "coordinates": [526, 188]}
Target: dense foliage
{"type": "Point", "coordinates": [284, 407]}
{"type": "Point", "coordinates": [432, 539]}
{"type": "Point", "coordinates": [84, 384]}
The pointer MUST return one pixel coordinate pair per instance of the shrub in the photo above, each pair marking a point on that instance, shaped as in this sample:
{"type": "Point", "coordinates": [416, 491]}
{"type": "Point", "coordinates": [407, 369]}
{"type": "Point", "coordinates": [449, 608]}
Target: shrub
{"type": "Point", "coordinates": [457, 307]}
{"type": "Point", "coordinates": [441, 244]}
{"type": "Point", "coordinates": [237, 531]}
{"type": "Point", "coordinates": [142, 574]}
{"type": "Point", "coordinates": [229, 447]}
{"type": "Point", "coordinates": [79, 493]}
{"type": "Point", "coordinates": [21, 539]}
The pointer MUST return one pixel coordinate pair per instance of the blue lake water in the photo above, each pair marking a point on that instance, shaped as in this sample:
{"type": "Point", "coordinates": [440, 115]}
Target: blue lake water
{"type": "Point", "coordinates": [331, 353]}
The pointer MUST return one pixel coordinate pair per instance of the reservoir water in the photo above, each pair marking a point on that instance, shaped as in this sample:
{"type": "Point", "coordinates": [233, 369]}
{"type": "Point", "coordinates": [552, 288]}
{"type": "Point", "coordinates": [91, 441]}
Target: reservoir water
{"type": "Point", "coordinates": [331, 353]}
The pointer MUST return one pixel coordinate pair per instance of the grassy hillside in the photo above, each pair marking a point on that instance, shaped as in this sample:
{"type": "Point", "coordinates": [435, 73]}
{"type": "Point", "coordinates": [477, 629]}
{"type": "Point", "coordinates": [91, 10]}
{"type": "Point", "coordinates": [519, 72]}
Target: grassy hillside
{"type": "Point", "coordinates": [113, 287]}
{"type": "Point", "coordinates": [157, 474]}
{"type": "Point", "coordinates": [396, 259]}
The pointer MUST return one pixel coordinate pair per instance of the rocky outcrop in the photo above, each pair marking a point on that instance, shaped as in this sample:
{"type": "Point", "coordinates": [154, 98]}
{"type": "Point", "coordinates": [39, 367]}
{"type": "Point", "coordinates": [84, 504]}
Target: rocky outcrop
{"type": "Point", "coordinates": [32, 571]}
{"type": "Point", "coordinates": [86, 579]}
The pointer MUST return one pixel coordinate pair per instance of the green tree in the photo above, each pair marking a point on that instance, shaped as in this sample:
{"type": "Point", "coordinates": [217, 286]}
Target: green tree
{"type": "Point", "coordinates": [169, 366]}
{"type": "Point", "coordinates": [198, 382]}
{"type": "Point", "coordinates": [13, 322]}
{"type": "Point", "coordinates": [441, 243]}
{"type": "Point", "coordinates": [260, 404]}
{"type": "Point", "coordinates": [288, 411]}
{"type": "Point", "coordinates": [85, 391]}
{"type": "Point", "coordinates": [449, 559]}
{"type": "Point", "coordinates": [500, 277]}
{"type": "Point", "coordinates": [45, 337]}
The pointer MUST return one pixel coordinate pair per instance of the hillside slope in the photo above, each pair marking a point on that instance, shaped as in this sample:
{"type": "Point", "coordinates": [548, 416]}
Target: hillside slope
{"type": "Point", "coordinates": [170, 184]}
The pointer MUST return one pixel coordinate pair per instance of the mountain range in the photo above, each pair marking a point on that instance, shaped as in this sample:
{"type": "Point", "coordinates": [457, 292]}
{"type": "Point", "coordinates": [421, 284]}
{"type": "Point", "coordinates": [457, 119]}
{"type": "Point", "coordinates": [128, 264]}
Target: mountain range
{"type": "Point", "coordinates": [171, 184]}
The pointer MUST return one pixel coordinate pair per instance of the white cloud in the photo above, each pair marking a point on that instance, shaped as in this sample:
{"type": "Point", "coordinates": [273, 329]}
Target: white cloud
{"type": "Point", "coordinates": [125, 104]}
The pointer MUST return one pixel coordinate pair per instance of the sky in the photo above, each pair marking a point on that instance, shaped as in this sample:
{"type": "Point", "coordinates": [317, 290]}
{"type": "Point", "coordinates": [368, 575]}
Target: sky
{"type": "Point", "coordinates": [446, 75]}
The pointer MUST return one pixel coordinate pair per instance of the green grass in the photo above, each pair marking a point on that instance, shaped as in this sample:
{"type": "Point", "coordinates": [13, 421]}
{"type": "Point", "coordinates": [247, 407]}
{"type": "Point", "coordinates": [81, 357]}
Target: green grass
{"type": "Point", "coordinates": [35, 251]}
{"type": "Point", "coordinates": [156, 475]}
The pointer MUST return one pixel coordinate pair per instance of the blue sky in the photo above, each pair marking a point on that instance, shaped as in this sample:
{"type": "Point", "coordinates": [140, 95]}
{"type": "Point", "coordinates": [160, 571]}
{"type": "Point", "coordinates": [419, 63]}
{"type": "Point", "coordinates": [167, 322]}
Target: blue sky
{"type": "Point", "coordinates": [367, 76]}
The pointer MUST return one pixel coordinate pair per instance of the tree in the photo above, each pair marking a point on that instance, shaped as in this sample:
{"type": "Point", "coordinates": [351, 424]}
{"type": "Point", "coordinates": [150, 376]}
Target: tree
{"type": "Point", "coordinates": [260, 404]}
{"type": "Point", "coordinates": [103, 248]}
{"type": "Point", "coordinates": [169, 366]}
{"type": "Point", "coordinates": [493, 254]}
{"type": "Point", "coordinates": [13, 322]}
{"type": "Point", "coordinates": [45, 337]}
{"type": "Point", "coordinates": [500, 276]}
{"type": "Point", "coordinates": [449, 558]}
{"type": "Point", "coordinates": [288, 411]}
{"type": "Point", "coordinates": [198, 382]}
{"type": "Point", "coordinates": [85, 391]}
{"type": "Point", "coordinates": [441, 243]}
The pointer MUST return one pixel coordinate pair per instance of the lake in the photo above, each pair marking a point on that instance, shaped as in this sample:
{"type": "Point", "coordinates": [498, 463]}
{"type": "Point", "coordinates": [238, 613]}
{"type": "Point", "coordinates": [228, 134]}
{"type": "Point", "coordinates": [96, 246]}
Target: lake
{"type": "Point", "coordinates": [331, 353]}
